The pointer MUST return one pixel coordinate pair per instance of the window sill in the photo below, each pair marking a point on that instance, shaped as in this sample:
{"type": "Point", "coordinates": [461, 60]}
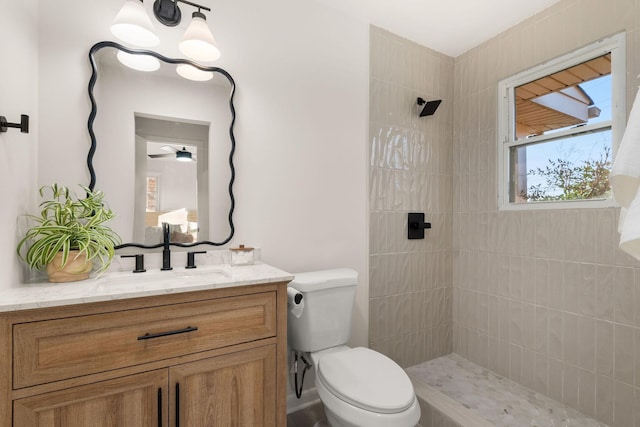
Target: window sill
{"type": "Point", "coordinates": [553, 205]}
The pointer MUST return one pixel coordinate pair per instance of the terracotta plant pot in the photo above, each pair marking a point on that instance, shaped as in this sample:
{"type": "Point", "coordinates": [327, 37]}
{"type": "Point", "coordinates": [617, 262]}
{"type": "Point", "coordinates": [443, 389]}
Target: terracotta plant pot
{"type": "Point", "coordinates": [77, 268]}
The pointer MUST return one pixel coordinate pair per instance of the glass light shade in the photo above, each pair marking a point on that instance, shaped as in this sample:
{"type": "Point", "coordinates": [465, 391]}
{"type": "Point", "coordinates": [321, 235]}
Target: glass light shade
{"type": "Point", "coordinates": [198, 42]}
{"type": "Point", "coordinates": [192, 73]}
{"type": "Point", "coordinates": [133, 25]}
{"type": "Point", "coordinates": [184, 156]}
{"type": "Point", "coordinates": [138, 62]}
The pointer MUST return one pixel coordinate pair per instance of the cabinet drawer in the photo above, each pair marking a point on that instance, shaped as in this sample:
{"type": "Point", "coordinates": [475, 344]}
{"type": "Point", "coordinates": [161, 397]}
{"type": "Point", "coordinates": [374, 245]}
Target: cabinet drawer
{"type": "Point", "coordinates": [57, 349]}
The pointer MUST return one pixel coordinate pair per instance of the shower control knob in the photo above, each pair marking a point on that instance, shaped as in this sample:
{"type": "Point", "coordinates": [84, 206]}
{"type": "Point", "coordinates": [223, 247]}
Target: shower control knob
{"type": "Point", "coordinates": [416, 225]}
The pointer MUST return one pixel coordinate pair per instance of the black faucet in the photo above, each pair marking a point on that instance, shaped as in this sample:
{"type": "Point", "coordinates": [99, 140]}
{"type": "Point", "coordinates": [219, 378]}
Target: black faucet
{"type": "Point", "coordinates": [191, 258]}
{"type": "Point", "coordinates": [139, 262]}
{"type": "Point", "coordinates": [166, 252]}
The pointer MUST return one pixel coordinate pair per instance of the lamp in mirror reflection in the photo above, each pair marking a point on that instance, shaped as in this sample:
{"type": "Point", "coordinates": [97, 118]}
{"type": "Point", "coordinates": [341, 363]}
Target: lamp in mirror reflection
{"type": "Point", "coordinates": [133, 25]}
{"type": "Point", "coordinates": [192, 73]}
{"type": "Point", "coordinates": [138, 62]}
{"type": "Point", "coordinates": [184, 155]}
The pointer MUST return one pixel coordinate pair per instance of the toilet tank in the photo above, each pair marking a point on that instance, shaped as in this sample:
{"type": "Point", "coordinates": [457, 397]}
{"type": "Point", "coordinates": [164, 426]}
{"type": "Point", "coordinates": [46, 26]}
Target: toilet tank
{"type": "Point", "coordinates": [325, 320]}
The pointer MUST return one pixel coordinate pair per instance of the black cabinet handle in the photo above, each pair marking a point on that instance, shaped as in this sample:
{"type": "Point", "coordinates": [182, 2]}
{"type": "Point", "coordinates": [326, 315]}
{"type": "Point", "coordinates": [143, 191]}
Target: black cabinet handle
{"type": "Point", "coordinates": [149, 336]}
{"type": "Point", "coordinates": [160, 407]}
{"type": "Point", "coordinates": [177, 404]}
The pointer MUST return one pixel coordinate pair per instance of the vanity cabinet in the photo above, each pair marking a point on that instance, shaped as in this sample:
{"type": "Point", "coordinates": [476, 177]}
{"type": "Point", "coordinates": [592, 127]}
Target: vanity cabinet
{"type": "Point", "coordinates": [134, 400]}
{"type": "Point", "coordinates": [205, 358]}
{"type": "Point", "coordinates": [234, 389]}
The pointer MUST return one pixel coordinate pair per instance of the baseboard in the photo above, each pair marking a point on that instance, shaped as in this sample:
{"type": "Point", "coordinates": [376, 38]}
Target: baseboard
{"type": "Point", "coordinates": [309, 397]}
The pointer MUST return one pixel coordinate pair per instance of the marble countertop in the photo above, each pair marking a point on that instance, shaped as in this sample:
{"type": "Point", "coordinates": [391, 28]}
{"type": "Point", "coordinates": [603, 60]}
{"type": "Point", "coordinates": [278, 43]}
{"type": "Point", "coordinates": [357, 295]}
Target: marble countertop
{"type": "Point", "coordinates": [123, 285]}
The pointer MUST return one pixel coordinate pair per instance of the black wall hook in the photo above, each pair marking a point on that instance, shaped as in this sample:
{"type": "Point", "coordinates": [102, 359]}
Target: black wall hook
{"type": "Point", "coordinates": [23, 125]}
{"type": "Point", "coordinates": [416, 225]}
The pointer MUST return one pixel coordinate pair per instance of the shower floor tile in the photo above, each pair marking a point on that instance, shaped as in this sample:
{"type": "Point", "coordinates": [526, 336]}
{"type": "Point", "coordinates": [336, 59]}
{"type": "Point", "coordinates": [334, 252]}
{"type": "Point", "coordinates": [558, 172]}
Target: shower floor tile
{"type": "Point", "coordinates": [499, 400]}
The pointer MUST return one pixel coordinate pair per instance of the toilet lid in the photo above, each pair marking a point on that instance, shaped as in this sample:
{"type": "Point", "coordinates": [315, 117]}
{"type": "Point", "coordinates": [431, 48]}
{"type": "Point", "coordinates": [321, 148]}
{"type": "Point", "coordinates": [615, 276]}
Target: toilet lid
{"type": "Point", "coordinates": [366, 379]}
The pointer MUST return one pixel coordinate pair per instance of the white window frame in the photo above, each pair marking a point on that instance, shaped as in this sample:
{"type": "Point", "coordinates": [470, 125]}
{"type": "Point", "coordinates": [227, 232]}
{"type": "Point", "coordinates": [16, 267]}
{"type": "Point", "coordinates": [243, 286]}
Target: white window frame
{"type": "Point", "coordinates": [616, 45]}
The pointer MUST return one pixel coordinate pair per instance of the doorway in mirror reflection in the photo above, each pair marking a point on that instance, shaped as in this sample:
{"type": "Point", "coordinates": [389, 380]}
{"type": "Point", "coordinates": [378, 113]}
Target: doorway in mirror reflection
{"type": "Point", "coordinates": [172, 179]}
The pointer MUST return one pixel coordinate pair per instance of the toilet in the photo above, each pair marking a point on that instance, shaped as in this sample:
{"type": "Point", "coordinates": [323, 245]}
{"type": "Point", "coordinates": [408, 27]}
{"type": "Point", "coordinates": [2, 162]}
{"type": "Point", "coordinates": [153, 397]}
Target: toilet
{"type": "Point", "coordinates": [358, 387]}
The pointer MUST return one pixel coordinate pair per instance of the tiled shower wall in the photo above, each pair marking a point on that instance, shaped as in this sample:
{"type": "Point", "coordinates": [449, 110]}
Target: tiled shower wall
{"type": "Point", "coordinates": [410, 171]}
{"type": "Point", "coordinates": [544, 298]}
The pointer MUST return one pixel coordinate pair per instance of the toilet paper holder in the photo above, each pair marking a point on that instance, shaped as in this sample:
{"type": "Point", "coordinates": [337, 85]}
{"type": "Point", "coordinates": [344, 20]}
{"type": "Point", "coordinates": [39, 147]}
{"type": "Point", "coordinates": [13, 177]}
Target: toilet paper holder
{"type": "Point", "coordinates": [416, 225]}
{"type": "Point", "coordinates": [295, 302]}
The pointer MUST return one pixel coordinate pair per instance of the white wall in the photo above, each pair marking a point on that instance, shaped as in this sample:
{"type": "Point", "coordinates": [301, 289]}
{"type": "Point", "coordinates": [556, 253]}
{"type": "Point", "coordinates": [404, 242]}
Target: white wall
{"type": "Point", "coordinates": [177, 189]}
{"type": "Point", "coordinates": [302, 100]}
{"type": "Point", "coordinates": [18, 151]}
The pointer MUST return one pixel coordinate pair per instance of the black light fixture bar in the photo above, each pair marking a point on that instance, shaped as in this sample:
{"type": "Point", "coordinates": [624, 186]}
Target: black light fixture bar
{"type": "Point", "coordinates": [194, 5]}
{"type": "Point", "coordinates": [168, 12]}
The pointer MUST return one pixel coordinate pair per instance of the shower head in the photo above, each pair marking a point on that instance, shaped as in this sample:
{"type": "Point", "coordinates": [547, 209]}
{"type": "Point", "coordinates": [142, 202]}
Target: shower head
{"type": "Point", "coordinates": [427, 108]}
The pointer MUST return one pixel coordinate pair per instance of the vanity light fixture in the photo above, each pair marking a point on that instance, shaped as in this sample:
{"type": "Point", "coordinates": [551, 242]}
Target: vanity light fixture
{"type": "Point", "coordinates": [198, 42]}
{"type": "Point", "coordinates": [133, 25]}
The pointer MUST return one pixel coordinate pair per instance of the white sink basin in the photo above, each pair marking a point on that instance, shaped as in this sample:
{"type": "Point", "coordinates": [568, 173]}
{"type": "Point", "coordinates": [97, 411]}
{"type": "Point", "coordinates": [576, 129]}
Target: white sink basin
{"type": "Point", "coordinates": [171, 278]}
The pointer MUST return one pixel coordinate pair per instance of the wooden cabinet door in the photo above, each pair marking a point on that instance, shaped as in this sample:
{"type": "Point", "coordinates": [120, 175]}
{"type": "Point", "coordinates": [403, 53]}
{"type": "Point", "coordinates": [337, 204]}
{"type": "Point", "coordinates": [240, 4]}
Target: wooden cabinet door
{"type": "Point", "coordinates": [233, 390]}
{"type": "Point", "coordinates": [134, 401]}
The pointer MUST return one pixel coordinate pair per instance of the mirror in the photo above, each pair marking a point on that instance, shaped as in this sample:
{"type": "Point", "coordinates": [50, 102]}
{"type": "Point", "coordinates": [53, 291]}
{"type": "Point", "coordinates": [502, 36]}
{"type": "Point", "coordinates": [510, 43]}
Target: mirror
{"type": "Point", "coordinates": [162, 146]}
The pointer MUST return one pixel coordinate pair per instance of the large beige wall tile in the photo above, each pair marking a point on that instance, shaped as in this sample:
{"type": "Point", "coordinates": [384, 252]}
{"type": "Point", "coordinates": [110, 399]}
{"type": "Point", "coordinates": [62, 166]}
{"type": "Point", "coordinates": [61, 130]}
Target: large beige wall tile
{"type": "Point", "coordinates": [557, 285]}
{"type": "Point", "coordinates": [542, 297]}
{"type": "Point", "coordinates": [410, 169]}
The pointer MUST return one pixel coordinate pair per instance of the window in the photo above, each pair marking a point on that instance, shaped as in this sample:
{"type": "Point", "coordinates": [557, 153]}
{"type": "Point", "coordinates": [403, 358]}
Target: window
{"type": "Point", "coordinates": [152, 194]}
{"type": "Point", "coordinates": [559, 126]}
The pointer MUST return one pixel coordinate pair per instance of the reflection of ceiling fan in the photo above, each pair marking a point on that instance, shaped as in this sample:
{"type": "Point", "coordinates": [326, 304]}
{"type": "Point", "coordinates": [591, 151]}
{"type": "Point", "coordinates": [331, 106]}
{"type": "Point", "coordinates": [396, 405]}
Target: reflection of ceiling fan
{"type": "Point", "coordinates": [182, 155]}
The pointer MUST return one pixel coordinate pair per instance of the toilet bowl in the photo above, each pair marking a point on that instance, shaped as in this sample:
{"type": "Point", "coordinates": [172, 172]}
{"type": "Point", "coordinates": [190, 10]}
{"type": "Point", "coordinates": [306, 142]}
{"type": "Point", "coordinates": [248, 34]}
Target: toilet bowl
{"type": "Point", "coordinates": [358, 387]}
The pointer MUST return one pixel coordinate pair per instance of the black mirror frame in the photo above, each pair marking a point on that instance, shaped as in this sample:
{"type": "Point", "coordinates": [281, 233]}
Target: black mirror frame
{"type": "Point", "coordinates": [94, 76]}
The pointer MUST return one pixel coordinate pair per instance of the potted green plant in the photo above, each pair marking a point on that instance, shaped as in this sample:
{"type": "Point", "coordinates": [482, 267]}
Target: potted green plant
{"type": "Point", "coordinates": [70, 235]}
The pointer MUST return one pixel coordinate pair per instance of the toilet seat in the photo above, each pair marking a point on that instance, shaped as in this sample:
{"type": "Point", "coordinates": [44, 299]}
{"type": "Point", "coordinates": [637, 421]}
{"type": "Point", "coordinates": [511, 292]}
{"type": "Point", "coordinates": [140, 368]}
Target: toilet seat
{"type": "Point", "coordinates": [367, 380]}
